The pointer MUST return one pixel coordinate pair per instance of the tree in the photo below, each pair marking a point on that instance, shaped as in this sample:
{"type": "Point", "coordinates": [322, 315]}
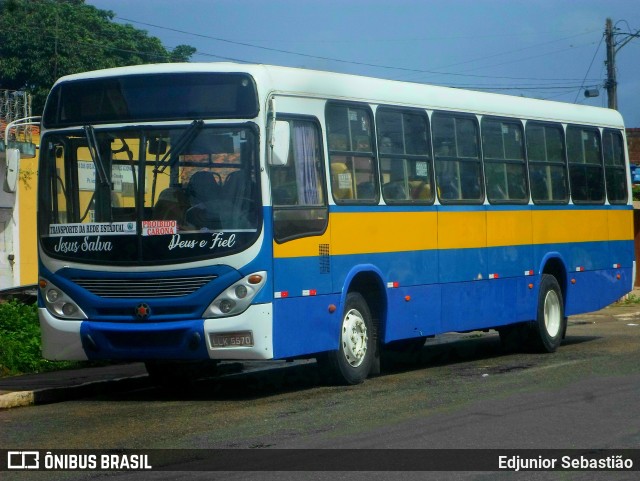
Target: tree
{"type": "Point", "coordinates": [42, 40]}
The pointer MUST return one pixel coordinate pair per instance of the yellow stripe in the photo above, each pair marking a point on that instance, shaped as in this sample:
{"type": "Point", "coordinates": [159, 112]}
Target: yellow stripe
{"type": "Point", "coordinates": [459, 230]}
{"type": "Point", "coordinates": [509, 228]}
{"type": "Point", "coordinates": [620, 225]}
{"type": "Point", "coordinates": [560, 226]}
{"type": "Point", "coordinates": [357, 233]}
{"type": "Point", "coordinates": [353, 233]}
{"type": "Point", "coordinates": [305, 247]}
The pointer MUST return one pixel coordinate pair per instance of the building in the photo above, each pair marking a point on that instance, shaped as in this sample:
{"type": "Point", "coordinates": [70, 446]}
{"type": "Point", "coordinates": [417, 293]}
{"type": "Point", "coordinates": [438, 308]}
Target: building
{"type": "Point", "coordinates": [633, 144]}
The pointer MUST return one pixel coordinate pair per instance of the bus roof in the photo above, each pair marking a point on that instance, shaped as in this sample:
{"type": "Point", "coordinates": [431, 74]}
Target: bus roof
{"type": "Point", "coordinates": [330, 85]}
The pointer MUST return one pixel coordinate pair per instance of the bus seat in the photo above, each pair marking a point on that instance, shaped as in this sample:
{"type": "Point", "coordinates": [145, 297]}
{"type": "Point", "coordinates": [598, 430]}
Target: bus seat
{"type": "Point", "coordinates": [204, 194]}
{"type": "Point", "coordinates": [394, 191]}
{"type": "Point", "coordinates": [366, 191]}
{"type": "Point", "coordinates": [340, 169]}
{"type": "Point", "coordinates": [420, 190]}
{"type": "Point", "coordinates": [203, 187]}
{"type": "Point", "coordinates": [171, 205]}
{"type": "Point", "coordinates": [237, 186]}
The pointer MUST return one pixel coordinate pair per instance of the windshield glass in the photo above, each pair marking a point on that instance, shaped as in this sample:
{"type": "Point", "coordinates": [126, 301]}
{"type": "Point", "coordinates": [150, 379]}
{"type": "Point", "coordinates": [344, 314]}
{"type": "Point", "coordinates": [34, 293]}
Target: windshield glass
{"type": "Point", "coordinates": [149, 195]}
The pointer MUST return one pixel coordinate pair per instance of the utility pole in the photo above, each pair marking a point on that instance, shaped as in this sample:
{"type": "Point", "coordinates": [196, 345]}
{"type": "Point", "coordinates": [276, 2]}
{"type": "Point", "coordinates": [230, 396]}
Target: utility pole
{"type": "Point", "coordinates": [611, 84]}
{"type": "Point", "coordinates": [612, 49]}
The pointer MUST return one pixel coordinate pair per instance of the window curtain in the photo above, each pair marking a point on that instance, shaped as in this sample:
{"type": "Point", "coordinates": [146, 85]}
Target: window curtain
{"type": "Point", "coordinates": [305, 146]}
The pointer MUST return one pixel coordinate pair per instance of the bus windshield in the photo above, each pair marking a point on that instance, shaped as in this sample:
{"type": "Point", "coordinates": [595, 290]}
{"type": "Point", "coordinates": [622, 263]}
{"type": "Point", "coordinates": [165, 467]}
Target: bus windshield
{"type": "Point", "coordinates": [136, 98]}
{"type": "Point", "coordinates": [131, 196]}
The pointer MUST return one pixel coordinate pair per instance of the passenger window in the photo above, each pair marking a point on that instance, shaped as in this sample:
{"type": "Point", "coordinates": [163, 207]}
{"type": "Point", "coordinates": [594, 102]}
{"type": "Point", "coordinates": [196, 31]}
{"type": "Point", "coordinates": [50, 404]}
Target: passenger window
{"type": "Point", "coordinates": [405, 156]}
{"type": "Point", "coordinates": [456, 150]}
{"type": "Point", "coordinates": [351, 158]}
{"type": "Point", "coordinates": [299, 206]}
{"type": "Point", "coordinates": [547, 167]}
{"type": "Point", "coordinates": [585, 165]}
{"type": "Point", "coordinates": [504, 162]}
{"type": "Point", "coordinates": [614, 167]}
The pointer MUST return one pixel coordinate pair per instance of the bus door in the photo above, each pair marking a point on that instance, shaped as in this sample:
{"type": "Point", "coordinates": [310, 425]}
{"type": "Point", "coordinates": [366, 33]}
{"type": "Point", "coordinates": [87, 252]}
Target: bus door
{"type": "Point", "coordinates": [301, 262]}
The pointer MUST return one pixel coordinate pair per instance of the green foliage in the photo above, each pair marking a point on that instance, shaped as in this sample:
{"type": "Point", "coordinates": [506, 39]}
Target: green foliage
{"type": "Point", "coordinates": [636, 192]}
{"type": "Point", "coordinates": [628, 300]}
{"type": "Point", "coordinates": [42, 40]}
{"type": "Point", "coordinates": [20, 341]}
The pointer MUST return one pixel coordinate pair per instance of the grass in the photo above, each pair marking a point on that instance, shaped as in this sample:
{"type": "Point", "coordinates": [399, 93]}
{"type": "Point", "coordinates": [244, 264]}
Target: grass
{"type": "Point", "coordinates": [629, 300]}
{"type": "Point", "coordinates": [20, 351]}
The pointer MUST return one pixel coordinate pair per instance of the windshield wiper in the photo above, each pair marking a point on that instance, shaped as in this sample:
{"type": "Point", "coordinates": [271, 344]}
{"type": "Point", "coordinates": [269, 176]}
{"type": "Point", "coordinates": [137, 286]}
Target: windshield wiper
{"type": "Point", "coordinates": [176, 149]}
{"type": "Point", "coordinates": [94, 150]}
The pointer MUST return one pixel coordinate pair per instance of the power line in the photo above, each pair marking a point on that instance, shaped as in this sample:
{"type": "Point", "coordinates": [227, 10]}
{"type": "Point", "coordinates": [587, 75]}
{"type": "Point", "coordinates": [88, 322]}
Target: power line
{"type": "Point", "coordinates": [508, 52]}
{"type": "Point", "coordinates": [320, 57]}
{"type": "Point", "coordinates": [590, 65]}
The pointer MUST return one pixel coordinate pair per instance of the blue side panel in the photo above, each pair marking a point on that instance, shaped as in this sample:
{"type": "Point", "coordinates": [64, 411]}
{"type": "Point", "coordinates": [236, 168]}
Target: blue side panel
{"type": "Point", "coordinates": [305, 325]}
{"type": "Point", "coordinates": [621, 252]}
{"type": "Point", "coordinates": [510, 261]}
{"type": "Point", "coordinates": [418, 316]}
{"type": "Point", "coordinates": [406, 268]}
{"type": "Point", "coordinates": [594, 290]}
{"type": "Point", "coordinates": [483, 304]}
{"type": "Point", "coordinates": [296, 274]}
{"type": "Point", "coordinates": [463, 265]}
{"type": "Point", "coordinates": [586, 255]}
{"type": "Point", "coordinates": [166, 340]}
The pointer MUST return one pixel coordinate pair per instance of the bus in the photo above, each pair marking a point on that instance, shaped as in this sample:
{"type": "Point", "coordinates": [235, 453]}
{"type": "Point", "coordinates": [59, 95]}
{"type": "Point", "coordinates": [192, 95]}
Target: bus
{"type": "Point", "coordinates": [194, 213]}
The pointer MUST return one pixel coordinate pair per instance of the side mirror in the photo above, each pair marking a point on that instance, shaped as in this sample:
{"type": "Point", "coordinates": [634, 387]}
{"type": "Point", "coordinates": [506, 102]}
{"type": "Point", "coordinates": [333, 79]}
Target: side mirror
{"type": "Point", "coordinates": [13, 165]}
{"type": "Point", "coordinates": [279, 148]}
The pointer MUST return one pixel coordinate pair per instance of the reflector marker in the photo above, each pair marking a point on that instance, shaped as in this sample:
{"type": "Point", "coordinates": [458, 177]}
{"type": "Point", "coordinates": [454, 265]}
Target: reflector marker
{"type": "Point", "coordinates": [579, 269]}
{"type": "Point", "coordinates": [279, 295]}
{"type": "Point", "coordinates": [493, 276]}
{"type": "Point", "coordinates": [617, 266]}
{"type": "Point", "coordinates": [528, 273]}
{"type": "Point", "coordinates": [309, 292]}
{"type": "Point", "coordinates": [393, 285]}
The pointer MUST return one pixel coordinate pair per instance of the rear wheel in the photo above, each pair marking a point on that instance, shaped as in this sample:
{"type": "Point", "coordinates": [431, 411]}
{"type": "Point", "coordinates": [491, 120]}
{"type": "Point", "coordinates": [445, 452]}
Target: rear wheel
{"type": "Point", "coordinates": [352, 361]}
{"type": "Point", "coordinates": [550, 325]}
{"type": "Point", "coordinates": [546, 332]}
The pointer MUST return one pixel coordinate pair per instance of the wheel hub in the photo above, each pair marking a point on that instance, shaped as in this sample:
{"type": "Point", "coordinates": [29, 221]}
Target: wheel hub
{"type": "Point", "coordinates": [552, 315]}
{"type": "Point", "coordinates": [354, 338]}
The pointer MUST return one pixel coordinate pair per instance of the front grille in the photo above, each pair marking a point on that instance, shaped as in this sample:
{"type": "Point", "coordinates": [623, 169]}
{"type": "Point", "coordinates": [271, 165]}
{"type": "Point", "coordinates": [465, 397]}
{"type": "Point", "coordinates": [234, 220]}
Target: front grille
{"type": "Point", "coordinates": [147, 288]}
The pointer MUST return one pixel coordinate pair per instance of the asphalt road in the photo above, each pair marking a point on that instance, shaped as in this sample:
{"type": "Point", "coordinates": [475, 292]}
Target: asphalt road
{"type": "Point", "coordinates": [458, 392]}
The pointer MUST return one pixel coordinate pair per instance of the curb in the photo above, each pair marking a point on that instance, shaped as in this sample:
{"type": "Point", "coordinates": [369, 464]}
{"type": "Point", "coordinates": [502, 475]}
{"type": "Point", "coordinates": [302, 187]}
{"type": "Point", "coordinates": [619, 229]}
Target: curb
{"type": "Point", "coordinates": [67, 393]}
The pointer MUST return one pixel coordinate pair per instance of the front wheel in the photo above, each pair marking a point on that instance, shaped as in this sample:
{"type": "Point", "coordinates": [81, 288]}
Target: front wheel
{"type": "Point", "coordinates": [352, 361]}
{"type": "Point", "coordinates": [549, 327]}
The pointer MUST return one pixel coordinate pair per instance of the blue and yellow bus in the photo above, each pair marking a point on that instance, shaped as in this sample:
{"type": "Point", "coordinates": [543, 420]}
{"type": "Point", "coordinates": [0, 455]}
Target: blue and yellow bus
{"type": "Point", "coordinates": [192, 213]}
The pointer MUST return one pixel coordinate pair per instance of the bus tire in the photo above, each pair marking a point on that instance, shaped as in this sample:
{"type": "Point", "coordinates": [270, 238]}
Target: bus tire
{"type": "Point", "coordinates": [351, 363]}
{"type": "Point", "coordinates": [550, 326]}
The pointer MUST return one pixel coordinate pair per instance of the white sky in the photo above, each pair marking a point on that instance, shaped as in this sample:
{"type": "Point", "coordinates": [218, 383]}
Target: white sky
{"type": "Point", "coordinates": [536, 48]}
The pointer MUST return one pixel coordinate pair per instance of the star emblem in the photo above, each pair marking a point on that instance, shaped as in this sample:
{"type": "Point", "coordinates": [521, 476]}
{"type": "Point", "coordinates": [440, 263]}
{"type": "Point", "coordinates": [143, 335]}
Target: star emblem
{"type": "Point", "coordinates": [142, 311]}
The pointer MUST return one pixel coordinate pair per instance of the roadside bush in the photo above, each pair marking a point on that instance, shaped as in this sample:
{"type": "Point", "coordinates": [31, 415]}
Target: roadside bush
{"type": "Point", "coordinates": [20, 351]}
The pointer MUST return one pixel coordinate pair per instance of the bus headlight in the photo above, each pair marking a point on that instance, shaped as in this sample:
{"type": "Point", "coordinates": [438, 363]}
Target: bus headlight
{"type": "Point", "coordinates": [58, 303]}
{"type": "Point", "coordinates": [237, 297]}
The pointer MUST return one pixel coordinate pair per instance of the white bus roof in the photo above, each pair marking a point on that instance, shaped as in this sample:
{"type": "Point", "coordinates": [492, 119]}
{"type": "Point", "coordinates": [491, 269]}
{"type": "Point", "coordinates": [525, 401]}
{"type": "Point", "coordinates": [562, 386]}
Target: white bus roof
{"type": "Point", "coordinates": [330, 85]}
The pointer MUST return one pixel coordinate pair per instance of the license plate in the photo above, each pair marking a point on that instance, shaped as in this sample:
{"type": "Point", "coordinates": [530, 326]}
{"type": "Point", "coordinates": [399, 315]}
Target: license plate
{"type": "Point", "coordinates": [234, 339]}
